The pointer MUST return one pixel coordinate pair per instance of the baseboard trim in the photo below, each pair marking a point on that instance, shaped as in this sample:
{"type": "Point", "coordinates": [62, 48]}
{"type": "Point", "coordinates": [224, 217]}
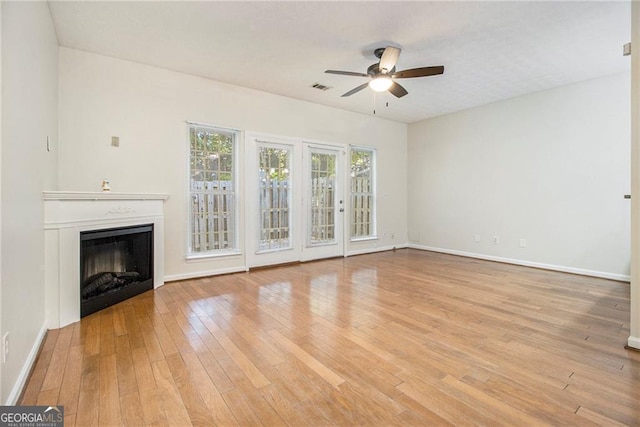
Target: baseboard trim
{"type": "Point", "coordinates": [633, 343]}
{"type": "Point", "coordinates": [199, 274]}
{"type": "Point", "coordinates": [563, 269]}
{"type": "Point", "coordinates": [377, 249]}
{"type": "Point", "coordinates": [16, 391]}
{"type": "Point", "coordinates": [218, 272]}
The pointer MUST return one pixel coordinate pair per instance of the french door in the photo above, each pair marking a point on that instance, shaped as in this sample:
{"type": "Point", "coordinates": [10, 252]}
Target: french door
{"type": "Point", "coordinates": [323, 202]}
{"type": "Point", "coordinates": [295, 205]}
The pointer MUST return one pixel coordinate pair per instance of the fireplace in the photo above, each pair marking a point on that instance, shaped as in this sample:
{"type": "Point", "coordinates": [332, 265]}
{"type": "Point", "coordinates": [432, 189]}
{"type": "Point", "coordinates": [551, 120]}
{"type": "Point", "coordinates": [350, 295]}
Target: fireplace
{"type": "Point", "coordinates": [115, 264]}
{"type": "Point", "coordinates": [70, 216]}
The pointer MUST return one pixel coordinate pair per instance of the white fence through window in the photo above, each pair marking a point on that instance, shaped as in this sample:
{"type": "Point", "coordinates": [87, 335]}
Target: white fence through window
{"type": "Point", "coordinates": [212, 209]}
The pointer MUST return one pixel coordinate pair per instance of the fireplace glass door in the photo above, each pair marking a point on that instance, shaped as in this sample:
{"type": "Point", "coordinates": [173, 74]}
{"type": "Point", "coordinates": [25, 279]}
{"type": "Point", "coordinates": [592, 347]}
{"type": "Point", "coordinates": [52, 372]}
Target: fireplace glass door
{"type": "Point", "coordinates": [115, 264]}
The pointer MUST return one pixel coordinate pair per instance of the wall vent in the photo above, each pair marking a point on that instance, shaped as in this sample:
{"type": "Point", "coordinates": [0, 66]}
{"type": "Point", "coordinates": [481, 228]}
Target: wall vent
{"type": "Point", "coordinates": [320, 86]}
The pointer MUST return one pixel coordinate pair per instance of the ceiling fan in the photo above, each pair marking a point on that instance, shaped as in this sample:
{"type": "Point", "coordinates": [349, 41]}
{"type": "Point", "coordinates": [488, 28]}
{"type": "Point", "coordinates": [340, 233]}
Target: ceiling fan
{"type": "Point", "coordinates": [383, 73]}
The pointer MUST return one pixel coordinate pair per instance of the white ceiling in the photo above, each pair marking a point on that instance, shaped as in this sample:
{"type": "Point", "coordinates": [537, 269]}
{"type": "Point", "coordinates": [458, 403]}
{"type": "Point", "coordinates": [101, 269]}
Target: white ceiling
{"type": "Point", "coordinates": [490, 50]}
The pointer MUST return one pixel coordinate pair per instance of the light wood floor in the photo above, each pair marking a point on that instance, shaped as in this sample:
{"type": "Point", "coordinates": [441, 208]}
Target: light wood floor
{"type": "Point", "coordinates": [396, 338]}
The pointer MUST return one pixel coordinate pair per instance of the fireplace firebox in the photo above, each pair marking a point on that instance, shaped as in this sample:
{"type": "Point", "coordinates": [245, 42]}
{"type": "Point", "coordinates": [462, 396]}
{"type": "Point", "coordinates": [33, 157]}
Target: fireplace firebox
{"type": "Point", "coordinates": [115, 264]}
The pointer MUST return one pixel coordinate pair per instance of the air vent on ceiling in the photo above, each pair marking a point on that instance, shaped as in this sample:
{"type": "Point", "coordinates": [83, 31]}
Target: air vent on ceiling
{"type": "Point", "coordinates": [320, 86]}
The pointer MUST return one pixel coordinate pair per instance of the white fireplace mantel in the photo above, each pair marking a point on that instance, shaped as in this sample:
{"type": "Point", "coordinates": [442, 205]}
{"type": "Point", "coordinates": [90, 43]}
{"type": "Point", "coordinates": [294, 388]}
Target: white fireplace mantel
{"type": "Point", "coordinates": [66, 215]}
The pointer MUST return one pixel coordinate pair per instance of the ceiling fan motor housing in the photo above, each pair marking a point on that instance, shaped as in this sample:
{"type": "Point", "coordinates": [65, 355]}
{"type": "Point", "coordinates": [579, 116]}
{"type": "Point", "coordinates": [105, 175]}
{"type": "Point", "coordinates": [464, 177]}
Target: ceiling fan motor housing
{"type": "Point", "coordinates": [374, 70]}
{"type": "Point", "coordinates": [378, 52]}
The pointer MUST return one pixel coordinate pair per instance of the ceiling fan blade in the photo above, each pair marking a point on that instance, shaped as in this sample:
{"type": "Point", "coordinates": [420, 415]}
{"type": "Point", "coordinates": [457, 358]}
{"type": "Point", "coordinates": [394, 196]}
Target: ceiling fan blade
{"type": "Point", "coordinates": [346, 73]}
{"type": "Point", "coordinates": [389, 59]}
{"type": "Point", "coordinates": [397, 90]}
{"type": "Point", "coordinates": [356, 89]}
{"type": "Point", "coordinates": [419, 72]}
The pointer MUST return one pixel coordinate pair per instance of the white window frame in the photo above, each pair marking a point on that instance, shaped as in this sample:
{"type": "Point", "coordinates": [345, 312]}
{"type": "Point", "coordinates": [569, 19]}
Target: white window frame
{"type": "Point", "coordinates": [234, 249]}
{"type": "Point", "coordinates": [374, 226]}
{"type": "Point", "coordinates": [290, 217]}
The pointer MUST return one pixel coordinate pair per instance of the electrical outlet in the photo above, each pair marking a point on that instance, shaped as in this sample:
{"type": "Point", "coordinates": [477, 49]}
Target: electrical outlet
{"type": "Point", "coordinates": [476, 237]}
{"type": "Point", "coordinates": [115, 141]}
{"type": "Point", "coordinates": [523, 243]}
{"type": "Point", "coordinates": [393, 236]}
{"type": "Point", "coordinates": [5, 347]}
{"type": "Point", "coordinates": [495, 240]}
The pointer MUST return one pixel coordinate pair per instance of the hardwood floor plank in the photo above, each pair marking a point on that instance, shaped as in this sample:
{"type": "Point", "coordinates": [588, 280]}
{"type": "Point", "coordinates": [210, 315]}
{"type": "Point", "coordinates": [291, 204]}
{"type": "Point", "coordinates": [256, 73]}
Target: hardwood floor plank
{"type": "Point", "coordinates": [317, 367]}
{"type": "Point", "coordinates": [241, 409]}
{"type": "Point", "coordinates": [50, 339]}
{"type": "Point", "coordinates": [109, 397]}
{"type": "Point", "coordinates": [143, 369]}
{"type": "Point", "coordinates": [132, 326]}
{"type": "Point", "coordinates": [164, 338]}
{"type": "Point", "coordinates": [283, 402]}
{"type": "Point", "coordinates": [256, 339]}
{"type": "Point", "coordinates": [107, 333]}
{"type": "Point", "coordinates": [131, 410]}
{"type": "Point", "coordinates": [417, 414]}
{"type": "Point", "coordinates": [153, 411]}
{"type": "Point", "coordinates": [392, 338]}
{"type": "Point", "coordinates": [55, 372]}
{"type": "Point", "coordinates": [45, 397]}
{"type": "Point", "coordinates": [119, 323]}
{"type": "Point", "coordinates": [34, 384]}
{"type": "Point", "coordinates": [171, 401]}
{"type": "Point", "coordinates": [499, 409]}
{"type": "Point", "coordinates": [543, 404]}
{"type": "Point", "coordinates": [442, 404]}
{"type": "Point", "coordinates": [215, 371]}
{"type": "Point", "coordinates": [127, 383]}
{"type": "Point", "coordinates": [70, 388]}
{"type": "Point", "coordinates": [69, 419]}
{"type": "Point", "coordinates": [243, 362]}
{"type": "Point", "coordinates": [151, 342]}
{"type": "Point", "coordinates": [194, 405]}
{"type": "Point", "coordinates": [267, 415]}
{"type": "Point", "coordinates": [597, 418]}
{"type": "Point", "coordinates": [89, 394]}
{"type": "Point", "coordinates": [207, 390]}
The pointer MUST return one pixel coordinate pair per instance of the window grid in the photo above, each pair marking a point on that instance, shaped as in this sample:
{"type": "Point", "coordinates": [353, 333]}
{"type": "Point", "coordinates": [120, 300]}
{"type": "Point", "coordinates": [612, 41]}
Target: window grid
{"type": "Point", "coordinates": [213, 198]}
{"type": "Point", "coordinates": [274, 198]}
{"type": "Point", "coordinates": [323, 169]}
{"type": "Point", "coordinates": [362, 193]}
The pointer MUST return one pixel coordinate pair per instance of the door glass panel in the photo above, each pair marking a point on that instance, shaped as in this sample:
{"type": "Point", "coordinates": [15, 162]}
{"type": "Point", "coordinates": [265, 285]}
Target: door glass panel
{"type": "Point", "coordinates": [274, 189]}
{"type": "Point", "coordinates": [323, 177]}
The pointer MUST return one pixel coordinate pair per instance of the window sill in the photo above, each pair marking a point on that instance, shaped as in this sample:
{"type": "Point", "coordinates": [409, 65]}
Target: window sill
{"type": "Point", "coordinates": [363, 239]}
{"type": "Point", "coordinates": [209, 256]}
{"type": "Point", "coordinates": [270, 251]}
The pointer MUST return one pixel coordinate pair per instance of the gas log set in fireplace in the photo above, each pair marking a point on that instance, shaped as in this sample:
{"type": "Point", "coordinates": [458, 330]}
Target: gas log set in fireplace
{"type": "Point", "coordinates": [115, 264]}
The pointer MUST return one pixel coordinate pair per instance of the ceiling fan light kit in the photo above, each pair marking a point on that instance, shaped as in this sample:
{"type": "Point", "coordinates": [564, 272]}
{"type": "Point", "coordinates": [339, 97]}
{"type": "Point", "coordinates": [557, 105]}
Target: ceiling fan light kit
{"type": "Point", "coordinates": [382, 75]}
{"type": "Point", "coordinates": [380, 84]}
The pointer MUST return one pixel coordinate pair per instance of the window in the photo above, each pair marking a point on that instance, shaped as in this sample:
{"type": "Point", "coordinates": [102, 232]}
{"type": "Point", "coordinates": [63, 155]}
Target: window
{"type": "Point", "coordinates": [275, 198]}
{"type": "Point", "coordinates": [362, 193]}
{"type": "Point", "coordinates": [212, 189]}
{"type": "Point", "coordinates": [323, 176]}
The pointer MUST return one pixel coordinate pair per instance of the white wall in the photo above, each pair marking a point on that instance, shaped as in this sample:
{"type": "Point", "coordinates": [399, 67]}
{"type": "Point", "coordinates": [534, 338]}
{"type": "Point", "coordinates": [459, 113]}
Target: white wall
{"type": "Point", "coordinates": [634, 337]}
{"type": "Point", "coordinates": [29, 114]}
{"type": "Point", "coordinates": [147, 108]}
{"type": "Point", "coordinates": [1, 349]}
{"type": "Point", "coordinates": [550, 167]}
